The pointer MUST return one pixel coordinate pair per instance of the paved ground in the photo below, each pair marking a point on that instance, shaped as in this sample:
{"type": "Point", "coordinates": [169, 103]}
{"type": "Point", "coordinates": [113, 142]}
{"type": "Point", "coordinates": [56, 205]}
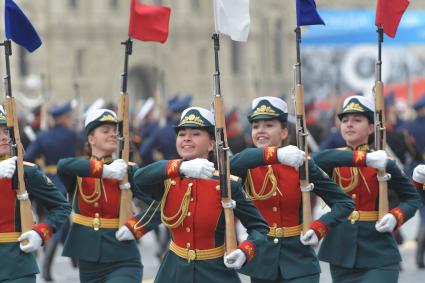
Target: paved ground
{"type": "Point", "coordinates": [64, 273]}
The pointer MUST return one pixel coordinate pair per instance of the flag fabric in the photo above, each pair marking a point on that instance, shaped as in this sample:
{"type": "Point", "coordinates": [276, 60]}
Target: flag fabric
{"type": "Point", "coordinates": [388, 15]}
{"type": "Point", "coordinates": [307, 14]}
{"type": "Point", "coordinates": [19, 28]}
{"type": "Point", "coordinates": [231, 17]}
{"type": "Point", "coordinates": [148, 22]}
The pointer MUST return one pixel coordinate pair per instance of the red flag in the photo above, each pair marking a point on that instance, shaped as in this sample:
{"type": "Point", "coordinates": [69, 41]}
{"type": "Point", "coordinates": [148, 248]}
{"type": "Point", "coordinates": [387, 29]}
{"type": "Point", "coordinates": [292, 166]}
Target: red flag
{"type": "Point", "coordinates": [389, 13]}
{"type": "Point", "coordinates": [148, 22]}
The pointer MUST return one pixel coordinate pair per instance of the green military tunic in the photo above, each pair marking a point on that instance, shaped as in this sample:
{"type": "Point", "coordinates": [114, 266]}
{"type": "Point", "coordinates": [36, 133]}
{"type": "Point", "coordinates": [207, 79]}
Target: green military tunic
{"type": "Point", "coordinates": [356, 251]}
{"type": "Point", "coordinates": [17, 265]}
{"type": "Point", "coordinates": [202, 223]}
{"type": "Point", "coordinates": [101, 255]}
{"type": "Point", "coordinates": [275, 190]}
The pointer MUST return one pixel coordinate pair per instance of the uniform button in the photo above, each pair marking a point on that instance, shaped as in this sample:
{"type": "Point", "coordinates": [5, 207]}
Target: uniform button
{"type": "Point", "coordinates": [96, 204]}
{"type": "Point", "coordinates": [187, 229]}
{"type": "Point", "coordinates": [274, 224]}
{"type": "Point", "coordinates": [217, 187]}
{"type": "Point", "coordinates": [191, 199]}
{"type": "Point", "coordinates": [354, 196]}
{"type": "Point", "coordinates": [188, 245]}
{"type": "Point", "coordinates": [96, 215]}
{"type": "Point", "coordinates": [269, 166]}
{"type": "Point", "coordinates": [173, 182]}
{"type": "Point", "coordinates": [189, 214]}
{"type": "Point", "coordinates": [274, 208]}
{"type": "Point", "coordinates": [274, 194]}
{"type": "Point", "coordinates": [190, 184]}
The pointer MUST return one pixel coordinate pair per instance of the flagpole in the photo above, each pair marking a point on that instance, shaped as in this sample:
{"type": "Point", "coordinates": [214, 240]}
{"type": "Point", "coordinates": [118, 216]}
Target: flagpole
{"type": "Point", "coordinates": [302, 135]}
{"type": "Point", "coordinates": [380, 131]}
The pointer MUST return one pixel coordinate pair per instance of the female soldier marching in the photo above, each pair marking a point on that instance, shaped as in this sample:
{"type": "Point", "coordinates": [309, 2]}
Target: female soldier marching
{"type": "Point", "coordinates": [273, 184]}
{"type": "Point", "coordinates": [17, 262]}
{"type": "Point", "coordinates": [191, 208]}
{"type": "Point", "coordinates": [105, 253]}
{"type": "Point", "coordinates": [367, 251]}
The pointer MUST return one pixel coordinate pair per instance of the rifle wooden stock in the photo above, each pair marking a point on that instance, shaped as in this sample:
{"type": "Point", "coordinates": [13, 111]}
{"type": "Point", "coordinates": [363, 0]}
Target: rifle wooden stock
{"type": "Point", "coordinates": [380, 141]}
{"type": "Point", "coordinates": [27, 220]}
{"type": "Point", "coordinates": [126, 208]}
{"type": "Point", "coordinates": [302, 145]}
{"type": "Point", "coordinates": [224, 173]}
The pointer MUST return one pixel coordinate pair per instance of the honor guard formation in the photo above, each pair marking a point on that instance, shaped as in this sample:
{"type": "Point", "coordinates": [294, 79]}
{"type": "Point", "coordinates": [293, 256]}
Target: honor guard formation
{"type": "Point", "coordinates": [266, 197]}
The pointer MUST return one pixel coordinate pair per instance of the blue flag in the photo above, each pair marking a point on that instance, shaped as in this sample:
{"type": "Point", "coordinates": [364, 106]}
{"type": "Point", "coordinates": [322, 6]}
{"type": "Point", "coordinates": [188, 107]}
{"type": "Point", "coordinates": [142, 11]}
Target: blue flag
{"type": "Point", "coordinates": [307, 14]}
{"type": "Point", "coordinates": [19, 28]}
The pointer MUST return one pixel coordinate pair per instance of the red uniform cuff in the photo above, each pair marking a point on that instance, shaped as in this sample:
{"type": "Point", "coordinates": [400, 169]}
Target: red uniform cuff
{"type": "Point", "coordinates": [319, 228]}
{"type": "Point", "coordinates": [96, 168]}
{"type": "Point", "coordinates": [270, 155]}
{"type": "Point", "coordinates": [172, 169]}
{"type": "Point", "coordinates": [44, 231]}
{"type": "Point", "coordinates": [399, 215]}
{"type": "Point", "coordinates": [249, 249]}
{"type": "Point", "coordinates": [359, 158]}
{"type": "Point", "coordinates": [419, 186]}
{"type": "Point", "coordinates": [132, 224]}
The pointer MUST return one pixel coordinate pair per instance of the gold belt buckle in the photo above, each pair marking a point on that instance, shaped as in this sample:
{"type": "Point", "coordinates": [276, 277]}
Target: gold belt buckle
{"type": "Point", "coordinates": [354, 216]}
{"type": "Point", "coordinates": [279, 232]}
{"type": "Point", "coordinates": [96, 222]}
{"type": "Point", "coordinates": [191, 255]}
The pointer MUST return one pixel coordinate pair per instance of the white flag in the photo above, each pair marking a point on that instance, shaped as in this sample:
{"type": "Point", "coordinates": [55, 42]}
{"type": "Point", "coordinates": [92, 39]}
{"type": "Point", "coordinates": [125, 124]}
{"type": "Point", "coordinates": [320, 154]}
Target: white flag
{"type": "Point", "coordinates": [231, 17]}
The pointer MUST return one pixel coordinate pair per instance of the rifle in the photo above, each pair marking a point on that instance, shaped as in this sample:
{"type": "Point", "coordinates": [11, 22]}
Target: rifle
{"type": "Point", "coordinates": [222, 149]}
{"type": "Point", "coordinates": [302, 134]}
{"type": "Point", "coordinates": [380, 133]}
{"type": "Point", "coordinates": [16, 149]}
{"type": "Point", "coordinates": [126, 211]}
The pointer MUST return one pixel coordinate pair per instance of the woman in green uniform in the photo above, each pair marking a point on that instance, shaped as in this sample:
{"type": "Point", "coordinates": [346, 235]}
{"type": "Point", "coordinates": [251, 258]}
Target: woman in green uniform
{"type": "Point", "coordinates": [105, 251]}
{"type": "Point", "coordinates": [191, 208]}
{"type": "Point", "coordinates": [17, 262]}
{"type": "Point", "coordinates": [362, 249]}
{"type": "Point", "coordinates": [272, 182]}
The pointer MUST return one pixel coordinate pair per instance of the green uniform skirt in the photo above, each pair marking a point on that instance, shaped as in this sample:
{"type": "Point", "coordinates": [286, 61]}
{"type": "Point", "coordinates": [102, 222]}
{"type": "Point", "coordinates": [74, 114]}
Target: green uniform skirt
{"type": "Point", "coordinates": [305, 279]}
{"type": "Point", "coordinates": [129, 271]}
{"type": "Point", "coordinates": [384, 274]}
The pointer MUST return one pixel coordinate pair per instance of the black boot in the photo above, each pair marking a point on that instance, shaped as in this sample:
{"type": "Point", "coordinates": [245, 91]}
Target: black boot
{"type": "Point", "coordinates": [48, 259]}
{"type": "Point", "coordinates": [421, 248]}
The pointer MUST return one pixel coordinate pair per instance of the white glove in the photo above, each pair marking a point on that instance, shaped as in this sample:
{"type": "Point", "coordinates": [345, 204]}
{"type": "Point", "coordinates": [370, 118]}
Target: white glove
{"type": "Point", "coordinates": [124, 234]}
{"type": "Point", "coordinates": [291, 155]}
{"type": "Point", "coordinates": [235, 259]}
{"type": "Point", "coordinates": [419, 174]}
{"type": "Point", "coordinates": [377, 159]}
{"type": "Point", "coordinates": [309, 238]}
{"type": "Point", "coordinates": [116, 170]}
{"type": "Point", "coordinates": [7, 168]}
{"type": "Point", "coordinates": [386, 224]}
{"type": "Point", "coordinates": [33, 244]}
{"type": "Point", "coordinates": [197, 168]}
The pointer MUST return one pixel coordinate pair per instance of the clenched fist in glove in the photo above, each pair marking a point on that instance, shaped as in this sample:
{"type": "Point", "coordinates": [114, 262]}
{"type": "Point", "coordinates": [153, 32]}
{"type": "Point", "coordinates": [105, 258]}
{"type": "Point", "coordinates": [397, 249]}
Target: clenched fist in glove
{"type": "Point", "coordinates": [386, 224]}
{"type": "Point", "coordinates": [7, 168]}
{"type": "Point", "coordinates": [116, 170]}
{"type": "Point", "coordinates": [419, 174]}
{"type": "Point", "coordinates": [30, 241]}
{"type": "Point", "coordinates": [377, 159]}
{"type": "Point", "coordinates": [124, 234]}
{"type": "Point", "coordinates": [291, 155]}
{"type": "Point", "coordinates": [309, 238]}
{"type": "Point", "coordinates": [235, 259]}
{"type": "Point", "coordinates": [197, 168]}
